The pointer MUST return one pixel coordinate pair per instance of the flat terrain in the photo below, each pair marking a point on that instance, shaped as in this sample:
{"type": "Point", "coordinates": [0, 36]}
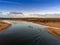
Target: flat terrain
{"type": "Point", "coordinates": [4, 25]}
{"type": "Point", "coordinates": [54, 28]}
{"type": "Point", "coordinates": [55, 32]}
{"type": "Point", "coordinates": [52, 22]}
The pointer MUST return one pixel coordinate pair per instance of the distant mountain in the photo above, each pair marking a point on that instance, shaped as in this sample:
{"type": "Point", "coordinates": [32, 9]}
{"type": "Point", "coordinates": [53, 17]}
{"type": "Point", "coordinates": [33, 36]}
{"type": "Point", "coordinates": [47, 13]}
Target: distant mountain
{"type": "Point", "coordinates": [13, 15]}
{"type": "Point", "coordinates": [21, 15]}
{"type": "Point", "coordinates": [16, 14]}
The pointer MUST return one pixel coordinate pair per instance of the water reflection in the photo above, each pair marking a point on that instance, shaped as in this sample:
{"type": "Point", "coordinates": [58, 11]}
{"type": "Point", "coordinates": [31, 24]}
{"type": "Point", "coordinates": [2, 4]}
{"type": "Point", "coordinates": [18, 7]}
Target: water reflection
{"type": "Point", "coordinates": [27, 33]}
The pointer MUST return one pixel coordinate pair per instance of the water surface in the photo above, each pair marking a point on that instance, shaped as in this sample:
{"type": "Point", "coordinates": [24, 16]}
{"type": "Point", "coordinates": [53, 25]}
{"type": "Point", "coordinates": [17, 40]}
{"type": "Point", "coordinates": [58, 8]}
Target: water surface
{"type": "Point", "coordinates": [28, 33]}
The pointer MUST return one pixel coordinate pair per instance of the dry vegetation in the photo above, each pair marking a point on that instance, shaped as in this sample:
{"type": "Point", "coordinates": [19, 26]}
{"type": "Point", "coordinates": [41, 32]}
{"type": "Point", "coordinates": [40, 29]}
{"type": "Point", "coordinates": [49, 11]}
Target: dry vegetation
{"type": "Point", "coordinates": [55, 32]}
{"type": "Point", "coordinates": [4, 25]}
{"type": "Point", "coordinates": [53, 22]}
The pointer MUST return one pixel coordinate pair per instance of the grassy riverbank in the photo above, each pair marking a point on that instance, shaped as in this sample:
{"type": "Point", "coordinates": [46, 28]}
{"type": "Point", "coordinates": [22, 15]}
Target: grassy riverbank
{"type": "Point", "coordinates": [4, 25]}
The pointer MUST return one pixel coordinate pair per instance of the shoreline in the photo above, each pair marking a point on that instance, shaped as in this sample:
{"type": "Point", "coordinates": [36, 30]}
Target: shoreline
{"type": "Point", "coordinates": [53, 27]}
{"type": "Point", "coordinates": [4, 26]}
{"type": "Point", "coordinates": [55, 32]}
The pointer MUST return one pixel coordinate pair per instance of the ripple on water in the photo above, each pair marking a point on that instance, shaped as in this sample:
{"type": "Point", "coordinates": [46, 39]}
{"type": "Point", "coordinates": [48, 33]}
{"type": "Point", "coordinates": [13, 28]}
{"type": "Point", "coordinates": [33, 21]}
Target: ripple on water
{"type": "Point", "coordinates": [32, 33]}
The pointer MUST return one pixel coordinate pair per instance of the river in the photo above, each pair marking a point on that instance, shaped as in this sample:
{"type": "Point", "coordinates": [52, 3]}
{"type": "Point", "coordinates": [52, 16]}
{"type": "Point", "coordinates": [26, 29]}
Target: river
{"type": "Point", "coordinates": [27, 33]}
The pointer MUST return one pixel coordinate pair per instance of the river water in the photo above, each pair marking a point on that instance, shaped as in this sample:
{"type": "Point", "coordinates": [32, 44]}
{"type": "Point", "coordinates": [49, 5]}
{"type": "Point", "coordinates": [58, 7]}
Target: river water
{"type": "Point", "coordinates": [27, 33]}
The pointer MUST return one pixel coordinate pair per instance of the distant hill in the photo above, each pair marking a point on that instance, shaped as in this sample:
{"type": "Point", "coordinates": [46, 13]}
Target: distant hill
{"type": "Point", "coordinates": [21, 15]}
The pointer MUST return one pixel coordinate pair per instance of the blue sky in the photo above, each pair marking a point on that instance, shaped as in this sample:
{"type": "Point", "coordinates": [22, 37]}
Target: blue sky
{"type": "Point", "coordinates": [30, 6]}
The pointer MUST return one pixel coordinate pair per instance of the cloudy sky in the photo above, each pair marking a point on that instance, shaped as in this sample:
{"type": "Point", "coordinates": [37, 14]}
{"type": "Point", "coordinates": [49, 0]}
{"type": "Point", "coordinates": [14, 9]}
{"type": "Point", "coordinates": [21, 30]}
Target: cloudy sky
{"type": "Point", "coordinates": [30, 6]}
